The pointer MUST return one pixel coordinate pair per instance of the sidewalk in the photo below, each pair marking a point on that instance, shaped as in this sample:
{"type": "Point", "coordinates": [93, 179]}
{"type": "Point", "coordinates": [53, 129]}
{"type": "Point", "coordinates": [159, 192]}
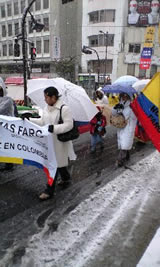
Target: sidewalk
{"type": "Point", "coordinates": [151, 257]}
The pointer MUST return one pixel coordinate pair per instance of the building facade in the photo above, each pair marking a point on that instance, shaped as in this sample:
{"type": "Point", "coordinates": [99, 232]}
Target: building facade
{"type": "Point", "coordinates": [114, 31]}
{"type": "Point", "coordinates": [102, 29]}
{"type": "Point", "coordinates": [11, 13]}
{"type": "Point", "coordinates": [137, 20]}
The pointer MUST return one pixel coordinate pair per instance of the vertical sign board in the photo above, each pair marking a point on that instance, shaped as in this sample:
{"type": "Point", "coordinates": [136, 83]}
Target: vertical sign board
{"type": "Point", "coordinates": [149, 36]}
{"type": "Point", "coordinates": [145, 60]}
{"type": "Point", "coordinates": [56, 47]}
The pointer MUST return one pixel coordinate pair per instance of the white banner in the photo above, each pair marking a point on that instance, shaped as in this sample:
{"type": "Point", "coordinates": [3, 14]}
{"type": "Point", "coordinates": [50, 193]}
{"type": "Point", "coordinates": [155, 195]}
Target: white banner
{"type": "Point", "coordinates": [23, 140]}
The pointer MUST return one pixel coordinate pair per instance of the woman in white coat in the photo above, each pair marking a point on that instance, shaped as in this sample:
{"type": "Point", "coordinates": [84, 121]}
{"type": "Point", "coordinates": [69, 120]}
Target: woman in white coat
{"type": "Point", "coordinates": [125, 136]}
{"type": "Point", "coordinates": [63, 150]}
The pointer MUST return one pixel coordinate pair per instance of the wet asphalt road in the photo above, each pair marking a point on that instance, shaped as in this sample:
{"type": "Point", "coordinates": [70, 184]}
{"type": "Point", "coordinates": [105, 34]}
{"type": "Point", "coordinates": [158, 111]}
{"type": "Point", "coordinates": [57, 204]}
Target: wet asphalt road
{"type": "Point", "coordinates": [21, 212]}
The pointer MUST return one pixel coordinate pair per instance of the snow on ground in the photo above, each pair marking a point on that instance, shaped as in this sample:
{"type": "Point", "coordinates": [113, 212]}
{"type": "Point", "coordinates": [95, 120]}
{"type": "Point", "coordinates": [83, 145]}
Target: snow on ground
{"type": "Point", "coordinates": [84, 234]}
{"type": "Point", "coordinates": [151, 257]}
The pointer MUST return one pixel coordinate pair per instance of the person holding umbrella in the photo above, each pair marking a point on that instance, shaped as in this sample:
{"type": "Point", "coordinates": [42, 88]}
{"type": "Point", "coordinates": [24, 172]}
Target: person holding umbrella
{"type": "Point", "coordinates": [63, 150]}
{"type": "Point", "coordinates": [125, 136]}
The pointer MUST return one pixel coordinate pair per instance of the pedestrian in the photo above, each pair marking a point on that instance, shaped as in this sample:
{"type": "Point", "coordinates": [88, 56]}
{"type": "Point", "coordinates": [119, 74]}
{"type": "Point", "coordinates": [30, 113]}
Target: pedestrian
{"type": "Point", "coordinates": [101, 98]}
{"type": "Point", "coordinates": [97, 130]}
{"type": "Point", "coordinates": [63, 150]}
{"type": "Point", "coordinates": [125, 136]}
{"type": "Point", "coordinates": [7, 108]}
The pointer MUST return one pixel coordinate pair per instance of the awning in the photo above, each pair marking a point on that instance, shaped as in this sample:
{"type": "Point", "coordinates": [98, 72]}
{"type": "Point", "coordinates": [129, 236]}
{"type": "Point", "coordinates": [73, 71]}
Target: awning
{"type": "Point", "coordinates": [18, 80]}
{"type": "Point", "coordinates": [14, 80]}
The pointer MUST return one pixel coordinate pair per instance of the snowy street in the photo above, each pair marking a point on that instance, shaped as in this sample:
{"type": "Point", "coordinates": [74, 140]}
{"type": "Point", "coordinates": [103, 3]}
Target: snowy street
{"type": "Point", "coordinates": [106, 218]}
{"type": "Point", "coordinates": [110, 228]}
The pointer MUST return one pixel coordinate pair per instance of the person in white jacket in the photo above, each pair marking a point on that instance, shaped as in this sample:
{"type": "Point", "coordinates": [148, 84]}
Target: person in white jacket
{"type": "Point", "coordinates": [63, 150]}
{"type": "Point", "coordinates": [125, 136]}
{"type": "Point", "coordinates": [101, 98]}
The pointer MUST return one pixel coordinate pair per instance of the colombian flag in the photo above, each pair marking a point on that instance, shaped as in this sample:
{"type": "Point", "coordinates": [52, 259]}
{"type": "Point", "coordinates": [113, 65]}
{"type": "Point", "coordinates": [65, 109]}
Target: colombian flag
{"type": "Point", "coordinates": [147, 109]}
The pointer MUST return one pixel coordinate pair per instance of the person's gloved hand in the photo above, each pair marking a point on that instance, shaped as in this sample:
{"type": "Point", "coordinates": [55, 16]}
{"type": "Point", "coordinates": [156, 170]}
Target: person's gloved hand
{"type": "Point", "coordinates": [50, 128]}
{"type": "Point", "coordinates": [26, 115]}
{"type": "Point", "coordinates": [100, 128]}
{"type": "Point", "coordinates": [98, 122]}
{"type": "Point", "coordinates": [119, 106]}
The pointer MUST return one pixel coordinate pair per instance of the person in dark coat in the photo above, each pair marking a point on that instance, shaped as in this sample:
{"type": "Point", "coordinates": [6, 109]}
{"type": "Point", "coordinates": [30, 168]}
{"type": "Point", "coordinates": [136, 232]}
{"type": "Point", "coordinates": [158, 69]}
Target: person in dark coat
{"type": "Point", "coordinates": [97, 130]}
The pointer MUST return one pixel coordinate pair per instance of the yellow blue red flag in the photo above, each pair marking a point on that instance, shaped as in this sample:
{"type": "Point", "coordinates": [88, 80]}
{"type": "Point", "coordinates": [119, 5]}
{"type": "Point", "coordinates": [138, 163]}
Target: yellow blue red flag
{"type": "Point", "coordinates": [147, 109]}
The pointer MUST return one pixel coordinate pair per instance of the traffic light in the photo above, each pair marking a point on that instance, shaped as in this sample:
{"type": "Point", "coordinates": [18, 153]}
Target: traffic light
{"type": "Point", "coordinates": [86, 51]}
{"type": "Point", "coordinates": [33, 53]}
{"type": "Point", "coordinates": [16, 48]}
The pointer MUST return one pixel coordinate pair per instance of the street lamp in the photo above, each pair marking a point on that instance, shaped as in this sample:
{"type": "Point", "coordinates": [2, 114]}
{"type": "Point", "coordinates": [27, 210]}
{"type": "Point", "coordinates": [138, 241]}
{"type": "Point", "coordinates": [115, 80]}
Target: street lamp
{"type": "Point", "coordinates": [106, 45]}
{"type": "Point", "coordinates": [35, 26]}
{"type": "Point", "coordinates": [88, 50]}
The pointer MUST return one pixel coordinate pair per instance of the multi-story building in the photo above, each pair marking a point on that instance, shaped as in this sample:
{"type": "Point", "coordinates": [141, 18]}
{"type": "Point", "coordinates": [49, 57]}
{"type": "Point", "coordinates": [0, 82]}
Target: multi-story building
{"type": "Point", "coordinates": [11, 12]}
{"type": "Point", "coordinates": [102, 29]}
{"type": "Point", "coordinates": [134, 38]}
{"type": "Point", "coordinates": [69, 25]}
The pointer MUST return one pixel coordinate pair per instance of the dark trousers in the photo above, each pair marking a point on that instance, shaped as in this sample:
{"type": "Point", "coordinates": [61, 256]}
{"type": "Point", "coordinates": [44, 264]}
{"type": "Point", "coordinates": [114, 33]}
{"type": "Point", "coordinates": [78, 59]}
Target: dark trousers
{"type": "Point", "coordinates": [123, 156]}
{"type": "Point", "coordinates": [65, 176]}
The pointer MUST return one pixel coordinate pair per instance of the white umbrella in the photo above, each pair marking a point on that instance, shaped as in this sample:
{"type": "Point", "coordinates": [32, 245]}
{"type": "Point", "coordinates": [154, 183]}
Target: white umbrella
{"type": "Point", "coordinates": [139, 85]}
{"type": "Point", "coordinates": [73, 95]}
{"type": "Point", "coordinates": [126, 80]}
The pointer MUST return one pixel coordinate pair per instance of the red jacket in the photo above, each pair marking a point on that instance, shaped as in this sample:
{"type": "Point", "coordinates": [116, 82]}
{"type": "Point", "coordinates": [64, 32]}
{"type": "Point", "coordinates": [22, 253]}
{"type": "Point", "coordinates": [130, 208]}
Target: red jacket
{"type": "Point", "coordinates": [98, 121]}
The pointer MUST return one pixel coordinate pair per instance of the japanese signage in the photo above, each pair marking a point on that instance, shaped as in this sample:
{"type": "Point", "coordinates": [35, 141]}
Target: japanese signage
{"type": "Point", "coordinates": [149, 37]}
{"type": "Point", "coordinates": [145, 60]}
{"type": "Point", "coordinates": [56, 47]}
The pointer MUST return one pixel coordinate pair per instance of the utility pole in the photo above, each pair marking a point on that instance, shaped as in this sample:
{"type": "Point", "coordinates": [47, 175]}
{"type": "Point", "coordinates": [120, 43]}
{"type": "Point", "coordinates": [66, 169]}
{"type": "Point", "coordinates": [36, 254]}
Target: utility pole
{"type": "Point", "coordinates": [106, 46]}
{"type": "Point", "coordinates": [88, 50]}
{"type": "Point", "coordinates": [35, 26]}
{"type": "Point", "coordinates": [24, 50]}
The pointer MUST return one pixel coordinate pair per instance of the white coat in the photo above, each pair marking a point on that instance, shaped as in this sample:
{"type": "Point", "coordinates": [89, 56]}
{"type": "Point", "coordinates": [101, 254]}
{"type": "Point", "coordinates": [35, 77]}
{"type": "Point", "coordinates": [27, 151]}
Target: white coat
{"type": "Point", "coordinates": [50, 116]}
{"type": "Point", "coordinates": [125, 136]}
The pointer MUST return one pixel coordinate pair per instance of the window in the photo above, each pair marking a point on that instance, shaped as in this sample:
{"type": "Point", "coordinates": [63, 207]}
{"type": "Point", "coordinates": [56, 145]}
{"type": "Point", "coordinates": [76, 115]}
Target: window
{"type": "Point", "coordinates": [3, 12]}
{"type": "Point", "coordinates": [105, 66]}
{"type": "Point", "coordinates": [3, 30]}
{"type": "Point", "coordinates": [101, 40]}
{"type": "Point", "coordinates": [131, 69]}
{"type": "Point", "coordinates": [66, 1]}
{"type": "Point", "coordinates": [46, 24]}
{"type": "Point", "coordinates": [38, 5]}
{"type": "Point", "coordinates": [107, 15]}
{"type": "Point", "coordinates": [22, 6]}
{"type": "Point", "coordinates": [31, 8]}
{"type": "Point", "coordinates": [153, 70]}
{"type": "Point", "coordinates": [102, 16]}
{"type": "Point", "coordinates": [9, 10]}
{"type": "Point", "coordinates": [9, 29]}
{"type": "Point", "coordinates": [4, 50]}
{"type": "Point", "coordinates": [45, 4]}
{"type": "Point", "coordinates": [38, 46]}
{"type": "Point", "coordinates": [10, 49]}
{"type": "Point", "coordinates": [142, 73]}
{"type": "Point", "coordinates": [134, 48]}
{"type": "Point", "coordinates": [46, 46]}
{"type": "Point", "coordinates": [30, 27]}
{"type": "Point", "coordinates": [93, 40]}
{"type": "Point", "coordinates": [109, 39]}
{"type": "Point", "coordinates": [93, 17]}
{"type": "Point", "coordinates": [16, 28]}
{"type": "Point", "coordinates": [16, 11]}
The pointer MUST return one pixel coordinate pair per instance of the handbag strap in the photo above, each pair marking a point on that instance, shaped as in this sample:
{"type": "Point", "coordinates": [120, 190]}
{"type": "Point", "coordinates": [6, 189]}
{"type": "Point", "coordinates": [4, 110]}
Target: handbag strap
{"type": "Point", "coordinates": [60, 116]}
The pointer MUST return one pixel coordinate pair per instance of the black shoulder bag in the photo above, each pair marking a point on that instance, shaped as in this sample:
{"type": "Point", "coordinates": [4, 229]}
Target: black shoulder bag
{"type": "Point", "coordinates": [70, 135]}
